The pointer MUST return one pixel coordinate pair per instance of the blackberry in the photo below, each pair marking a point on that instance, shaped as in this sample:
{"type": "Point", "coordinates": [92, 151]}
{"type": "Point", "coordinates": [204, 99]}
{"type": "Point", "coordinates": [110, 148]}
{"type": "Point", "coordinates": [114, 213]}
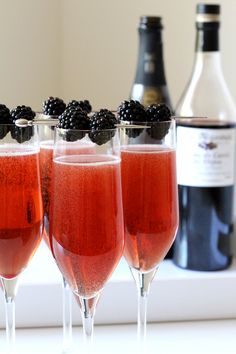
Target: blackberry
{"type": "Point", "coordinates": [84, 105]}
{"type": "Point", "coordinates": [158, 113]}
{"type": "Point", "coordinates": [160, 116]}
{"type": "Point", "coordinates": [22, 112]}
{"type": "Point", "coordinates": [132, 111]}
{"type": "Point", "coordinates": [5, 118]}
{"type": "Point", "coordinates": [102, 123]}
{"type": "Point", "coordinates": [73, 120]}
{"type": "Point", "coordinates": [21, 134]}
{"type": "Point", "coordinates": [53, 106]}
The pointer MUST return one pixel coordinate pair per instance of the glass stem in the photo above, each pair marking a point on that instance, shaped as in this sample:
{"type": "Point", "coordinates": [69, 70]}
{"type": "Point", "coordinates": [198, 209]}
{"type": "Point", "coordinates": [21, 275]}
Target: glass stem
{"type": "Point", "coordinates": [143, 281]}
{"type": "Point", "coordinates": [10, 289]}
{"type": "Point", "coordinates": [142, 317]}
{"type": "Point", "coordinates": [67, 316]}
{"type": "Point", "coordinates": [88, 324]}
{"type": "Point", "coordinates": [88, 307]}
{"type": "Point", "coordinates": [10, 324]}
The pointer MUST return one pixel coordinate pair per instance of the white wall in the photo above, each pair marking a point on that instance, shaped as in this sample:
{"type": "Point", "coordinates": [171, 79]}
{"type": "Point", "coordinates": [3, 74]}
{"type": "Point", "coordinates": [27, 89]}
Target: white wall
{"type": "Point", "coordinates": [88, 49]}
{"type": "Point", "coordinates": [30, 33]}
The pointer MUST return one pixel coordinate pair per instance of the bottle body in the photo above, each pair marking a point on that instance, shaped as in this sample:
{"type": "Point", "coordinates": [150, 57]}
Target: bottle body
{"type": "Point", "coordinates": [206, 176]}
{"type": "Point", "coordinates": [206, 193]}
{"type": "Point", "coordinates": [150, 82]}
{"type": "Point", "coordinates": [204, 245]}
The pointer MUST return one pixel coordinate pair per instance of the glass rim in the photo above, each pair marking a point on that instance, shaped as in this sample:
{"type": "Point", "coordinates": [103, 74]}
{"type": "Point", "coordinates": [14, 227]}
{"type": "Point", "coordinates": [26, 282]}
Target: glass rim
{"type": "Point", "coordinates": [14, 125]}
{"type": "Point", "coordinates": [86, 130]}
{"type": "Point", "coordinates": [126, 123]}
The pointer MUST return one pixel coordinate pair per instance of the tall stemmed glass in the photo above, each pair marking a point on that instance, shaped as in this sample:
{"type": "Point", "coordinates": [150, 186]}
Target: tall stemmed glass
{"type": "Point", "coordinates": [86, 220]}
{"type": "Point", "coordinates": [150, 203]}
{"type": "Point", "coordinates": [46, 134]}
{"type": "Point", "coordinates": [21, 211]}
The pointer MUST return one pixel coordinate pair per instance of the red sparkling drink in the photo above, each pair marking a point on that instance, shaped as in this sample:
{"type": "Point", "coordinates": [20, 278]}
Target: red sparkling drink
{"type": "Point", "coordinates": [150, 204]}
{"type": "Point", "coordinates": [20, 210]}
{"type": "Point", "coordinates": [87, 231]}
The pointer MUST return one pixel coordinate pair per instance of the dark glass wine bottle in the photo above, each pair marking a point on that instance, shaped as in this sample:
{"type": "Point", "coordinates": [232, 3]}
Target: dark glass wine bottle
{"type": "Point", "coordinates": [150, 82]}
{"type": "Point", "coordinates": [206, 156]}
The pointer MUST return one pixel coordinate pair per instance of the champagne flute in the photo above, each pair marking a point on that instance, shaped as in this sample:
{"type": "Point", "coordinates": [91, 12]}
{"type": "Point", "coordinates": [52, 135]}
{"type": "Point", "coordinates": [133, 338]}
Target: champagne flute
{"type": "Point", "coordinates": [21, 212]}
{"type": "Point", "coordinates": [46, 134]}
{"type": "Point", "coordinates": [86, 220]}
{"type": "Point", "coordinates": [150, 203]}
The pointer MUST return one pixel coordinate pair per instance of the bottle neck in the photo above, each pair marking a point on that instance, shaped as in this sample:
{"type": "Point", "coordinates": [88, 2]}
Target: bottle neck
{"type": "Point", "coordinates": [207, 39]}
{"type": "Point", "coordinates": [207, 59]}
{"type": "Point", "coordinates": [150, 67]}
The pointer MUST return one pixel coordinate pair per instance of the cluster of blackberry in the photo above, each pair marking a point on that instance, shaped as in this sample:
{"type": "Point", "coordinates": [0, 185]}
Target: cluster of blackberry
{"type": "Point", "coordinates": [7, 122]}
{"type": "Point", "coordinates": [76, 118]}
{"type": "Point", "coordinates": [99, 126]}
{"type": "Point", "coordinates": [134, 112]}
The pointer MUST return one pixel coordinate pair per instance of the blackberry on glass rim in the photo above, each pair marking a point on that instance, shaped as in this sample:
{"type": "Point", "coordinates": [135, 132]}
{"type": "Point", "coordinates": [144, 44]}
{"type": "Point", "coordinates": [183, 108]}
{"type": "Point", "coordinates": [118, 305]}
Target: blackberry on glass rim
{"type": "Point", "coordinates": [155, 116]}
{"type": "Point", "coordinates": [132, 111]}
{"type": "Point", "coordinates": [76, 121]}
{"type": "Point", "coordinates": [22, 134]}
{"type": "Point", "coordinates": [102, 125]}
{"type": "Point", "coordinates": [160, 115]}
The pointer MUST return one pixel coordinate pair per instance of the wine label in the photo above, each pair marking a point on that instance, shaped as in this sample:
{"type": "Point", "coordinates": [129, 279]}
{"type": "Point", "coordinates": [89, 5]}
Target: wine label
{"type": "Point", "coordinates": [205, 156]}
{"type": "Point", "coordinates": [147, 95]}
{"type": "Point", "coordinates": [151, 96]}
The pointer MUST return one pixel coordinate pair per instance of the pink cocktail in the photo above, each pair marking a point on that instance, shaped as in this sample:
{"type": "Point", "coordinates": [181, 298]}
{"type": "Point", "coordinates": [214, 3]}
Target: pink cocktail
{"type": "Point", "coordinates": [87, 227]}
{"type": "Point", "coordinates": [150, 204]}
{"type": "Point", "coordinates": [46, 161]}
{"type": "Point", "coordinates": [20, 209]}
{"type": "Point", "coordinates": [86, 215]}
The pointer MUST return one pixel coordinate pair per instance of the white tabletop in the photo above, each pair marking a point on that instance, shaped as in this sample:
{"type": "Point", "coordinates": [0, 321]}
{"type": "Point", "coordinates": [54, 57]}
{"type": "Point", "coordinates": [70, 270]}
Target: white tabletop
{"type": "Point", "coordinates": [196, 337]}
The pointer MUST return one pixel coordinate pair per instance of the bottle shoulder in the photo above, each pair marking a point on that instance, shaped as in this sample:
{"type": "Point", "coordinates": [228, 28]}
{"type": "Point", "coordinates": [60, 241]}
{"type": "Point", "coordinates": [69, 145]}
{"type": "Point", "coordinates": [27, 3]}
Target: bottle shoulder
{"type": "Point", "coordinates": [213, 103]}
{"type": "Point", "coordinates": [207, 93]}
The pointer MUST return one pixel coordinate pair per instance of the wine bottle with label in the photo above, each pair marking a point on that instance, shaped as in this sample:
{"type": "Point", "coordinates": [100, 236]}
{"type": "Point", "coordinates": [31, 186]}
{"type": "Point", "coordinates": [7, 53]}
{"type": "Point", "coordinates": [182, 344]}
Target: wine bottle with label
{"type": "Point", "coordinates": [150, 82]}
{"type": "Point", "coordinates": [206, 155]}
